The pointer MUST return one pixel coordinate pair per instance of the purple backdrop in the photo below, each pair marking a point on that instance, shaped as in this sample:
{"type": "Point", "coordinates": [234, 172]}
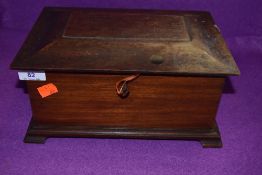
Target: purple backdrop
{"type": "Point", "coordinates": [239, 115]}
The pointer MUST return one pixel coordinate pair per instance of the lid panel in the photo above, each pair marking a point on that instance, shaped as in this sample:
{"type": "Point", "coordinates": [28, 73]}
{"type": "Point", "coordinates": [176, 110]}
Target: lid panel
{"type": "Point", "coordinates": [126, 41]}
{"type": "Point", "coordinates": [133, 56]}
{"type": "Point", "coordinates": [130, 26]}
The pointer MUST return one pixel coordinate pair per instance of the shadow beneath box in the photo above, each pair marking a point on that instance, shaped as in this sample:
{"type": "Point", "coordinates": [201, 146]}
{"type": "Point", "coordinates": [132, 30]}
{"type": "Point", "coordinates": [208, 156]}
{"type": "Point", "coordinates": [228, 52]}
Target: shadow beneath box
{"type": "Point", "coordinates": [22, 85]}
{"type": "Point", "coordinates": [228, 87]}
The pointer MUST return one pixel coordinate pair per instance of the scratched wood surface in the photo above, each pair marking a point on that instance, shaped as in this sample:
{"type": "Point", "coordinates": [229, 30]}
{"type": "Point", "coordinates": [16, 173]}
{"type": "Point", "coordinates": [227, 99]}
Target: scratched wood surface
{"type": "Point", "coordinates": [124, 41]}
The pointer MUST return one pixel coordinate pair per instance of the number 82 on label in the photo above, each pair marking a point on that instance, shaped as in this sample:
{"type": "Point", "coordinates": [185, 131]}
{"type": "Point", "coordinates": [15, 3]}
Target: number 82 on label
{"type": "Point", "coordinates": [32, 75]}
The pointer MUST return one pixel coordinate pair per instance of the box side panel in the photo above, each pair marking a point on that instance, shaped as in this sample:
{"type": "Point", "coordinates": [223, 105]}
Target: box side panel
{"type": "Point", "coordinates": [154, 101]}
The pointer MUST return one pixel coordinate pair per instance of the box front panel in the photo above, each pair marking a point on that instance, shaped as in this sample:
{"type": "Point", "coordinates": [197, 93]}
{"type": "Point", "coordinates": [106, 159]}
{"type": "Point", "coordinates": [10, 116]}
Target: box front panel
{"type": "Point", "coordinates": [153, 102]}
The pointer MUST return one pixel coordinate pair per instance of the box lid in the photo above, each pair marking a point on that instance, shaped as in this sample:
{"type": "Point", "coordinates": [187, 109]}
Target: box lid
{"type": "Point", "coordinates": [126, 41]}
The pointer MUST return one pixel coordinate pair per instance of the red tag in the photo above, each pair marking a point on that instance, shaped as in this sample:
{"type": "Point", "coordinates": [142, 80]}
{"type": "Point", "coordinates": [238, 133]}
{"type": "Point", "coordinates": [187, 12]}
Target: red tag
{"type": "Point", "coordinates": [47, 90]}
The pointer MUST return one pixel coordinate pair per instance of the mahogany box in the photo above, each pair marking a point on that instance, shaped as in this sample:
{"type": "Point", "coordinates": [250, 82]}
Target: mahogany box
{"type": "Point", "coordinates": [115, 73]}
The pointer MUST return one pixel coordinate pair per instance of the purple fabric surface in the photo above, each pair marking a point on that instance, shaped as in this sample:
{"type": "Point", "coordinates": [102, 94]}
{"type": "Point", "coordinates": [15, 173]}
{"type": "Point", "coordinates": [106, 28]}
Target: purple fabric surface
{"type": "Point", "coordinates": [239, 115]}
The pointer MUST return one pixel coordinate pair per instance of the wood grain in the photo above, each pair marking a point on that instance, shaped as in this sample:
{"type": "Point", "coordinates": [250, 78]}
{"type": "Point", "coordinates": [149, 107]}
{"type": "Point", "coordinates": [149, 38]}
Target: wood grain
{"type": "Point", "coordinates": [123, 41]}
{"type": "Point", "coordinates": [181, 56]}
{"type": "Point", "coordinates": [154, 101]}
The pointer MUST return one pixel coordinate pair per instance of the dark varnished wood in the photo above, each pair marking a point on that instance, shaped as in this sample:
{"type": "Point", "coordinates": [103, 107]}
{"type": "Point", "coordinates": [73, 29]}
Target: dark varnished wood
{"type": "Point", "coordinates": [154, 101]}
{"type": "Point", "coordinates": [125, 26]}
{"type": "Point", "coordinates": [34, 138]}
{"type": "Point", "coordinates": [161, 107]}
{"type": "Point", "coordinates": [181, 57]}
{"type": "Point", "coordinates": [118, 41]}
{"type": "Point", "coordinates": [209, 138]}
{"type": "Point", "coordinates": [211, 142]}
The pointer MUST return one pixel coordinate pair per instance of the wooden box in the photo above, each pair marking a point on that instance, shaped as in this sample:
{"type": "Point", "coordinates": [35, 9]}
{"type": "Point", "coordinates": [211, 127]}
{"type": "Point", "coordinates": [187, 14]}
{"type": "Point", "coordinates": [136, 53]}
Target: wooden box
{"type": "Point", "coordinates": [126, 74]}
